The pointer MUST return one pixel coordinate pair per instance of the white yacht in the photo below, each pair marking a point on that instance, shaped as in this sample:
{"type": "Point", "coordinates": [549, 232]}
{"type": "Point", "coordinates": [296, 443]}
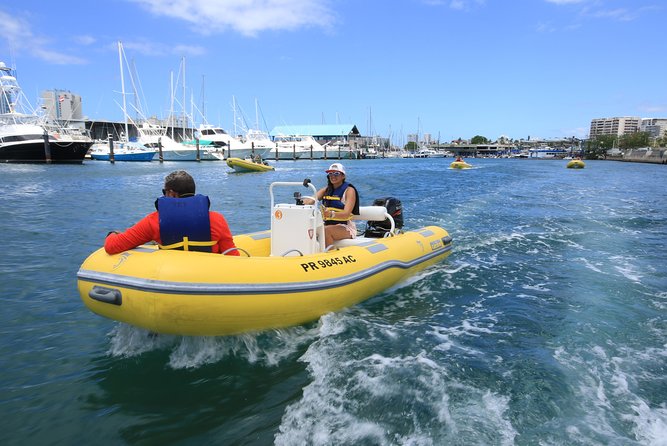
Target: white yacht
{"type": "Point", "coordinates": [260, 142]}
{"type": "Point", "coordinates": [290, 147]}
{"type": "Point", "coordinates": [429, 153]}
{"type": "Point", "coordinates": [546, 152]}
{"type": "Point", "coordinates": [154, 136]}
{"type": "Point", "coordinates": [26, 137]}
{"type": "Point", "coordinates": [222, 145]}
{"type": "Point", "coordinates": [340, 150]}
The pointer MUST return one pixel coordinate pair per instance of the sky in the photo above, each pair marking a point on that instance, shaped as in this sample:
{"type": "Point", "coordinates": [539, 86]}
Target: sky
{"type": "Point", "coordinates": [451, 68]}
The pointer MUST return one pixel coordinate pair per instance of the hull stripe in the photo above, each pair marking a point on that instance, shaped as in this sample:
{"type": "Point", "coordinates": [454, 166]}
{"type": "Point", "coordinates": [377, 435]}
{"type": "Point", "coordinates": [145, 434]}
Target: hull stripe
{"type": "Point", "coordinates": [166, 287]}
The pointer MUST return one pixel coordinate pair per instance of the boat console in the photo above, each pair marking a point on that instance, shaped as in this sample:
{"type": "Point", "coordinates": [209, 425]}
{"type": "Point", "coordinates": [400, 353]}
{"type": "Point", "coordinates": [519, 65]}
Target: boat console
{"type": "Point", "coordinates": [298, 229]}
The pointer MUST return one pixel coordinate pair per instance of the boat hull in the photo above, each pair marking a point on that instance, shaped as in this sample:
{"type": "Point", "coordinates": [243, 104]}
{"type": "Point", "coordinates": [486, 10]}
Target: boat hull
{"type": "Point", "coordinates": [193, 293]}
{"type": "Point", "coordinates": [62, 152]}
{"type": "Point", "coordinates": [180, 155]}
{"type": "Point", "coordinates": [575, 164]}
{"type": "Point", "coordinates": [460, 165]}
{"type": "Point", "coordinates": [138, 156]}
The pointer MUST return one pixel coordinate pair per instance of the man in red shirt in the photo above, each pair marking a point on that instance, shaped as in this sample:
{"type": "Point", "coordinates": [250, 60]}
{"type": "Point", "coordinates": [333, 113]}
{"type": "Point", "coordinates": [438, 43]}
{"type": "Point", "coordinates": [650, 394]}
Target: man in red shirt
{"type": "Point", "coordinates": [182, 221]}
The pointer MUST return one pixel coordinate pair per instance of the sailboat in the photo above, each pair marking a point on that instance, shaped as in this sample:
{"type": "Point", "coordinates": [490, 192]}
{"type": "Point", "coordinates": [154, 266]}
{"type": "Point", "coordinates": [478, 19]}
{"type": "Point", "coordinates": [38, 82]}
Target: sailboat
{"type": "Point", "coordinates": [259, 140]}
{"type": "Point", "coordinates": [153, 135]}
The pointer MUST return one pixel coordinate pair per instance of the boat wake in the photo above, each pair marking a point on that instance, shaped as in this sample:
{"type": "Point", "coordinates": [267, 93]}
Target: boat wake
{"type": "Point", "coordinates": [268, 348]}
{"type": "Point", "coordinates": [384, 394]}
{"type": "Point", "coordinates": [610, 391]}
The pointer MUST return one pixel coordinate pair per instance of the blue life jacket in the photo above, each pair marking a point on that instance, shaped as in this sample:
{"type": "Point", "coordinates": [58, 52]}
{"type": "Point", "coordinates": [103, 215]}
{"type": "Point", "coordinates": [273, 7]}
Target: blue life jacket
{"type": "Point", "coordinates": [185, 223]}
{"type": "Point", "coordinates": [333, 199]}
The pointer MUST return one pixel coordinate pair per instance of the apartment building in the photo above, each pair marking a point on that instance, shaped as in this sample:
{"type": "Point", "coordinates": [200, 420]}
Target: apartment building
{"type": "Point", "coordinates": [614, 126]}
{"type": "Point", "coordinates": [655, 127]}
{"type": "Point", "coordinates": [62, 105]}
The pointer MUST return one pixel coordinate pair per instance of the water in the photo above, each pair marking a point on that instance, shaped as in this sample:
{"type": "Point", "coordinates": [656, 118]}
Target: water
{"type": "Point", "coordinates": [545, 326]}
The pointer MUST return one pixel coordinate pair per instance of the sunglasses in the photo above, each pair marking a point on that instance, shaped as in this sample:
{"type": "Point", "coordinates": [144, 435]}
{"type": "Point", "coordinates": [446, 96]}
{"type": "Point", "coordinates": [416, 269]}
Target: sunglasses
{"type": "Point", "coordinates": [335, 174]}
{"type": "Point", "coordinates": [164, 191]}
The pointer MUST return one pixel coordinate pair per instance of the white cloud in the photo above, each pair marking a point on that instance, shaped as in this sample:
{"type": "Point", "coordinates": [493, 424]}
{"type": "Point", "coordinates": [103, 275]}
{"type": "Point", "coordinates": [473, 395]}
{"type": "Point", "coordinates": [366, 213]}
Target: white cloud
{"type": "Point", "coordinates": [565, 2]}
{"type": "Point", "coordinates": [458, 5]}
{"type": "Point", "coordinates": [150, 48]}
{"type": "Point", "coordinates": [652, 109]}
{"type": "Point", "coordinates": [620, 14]}
{"type": "Point", "coordinates": [248, 17]}
{"type": "Point", "coordinates": [22, 40]}
{"type": "Point", "coordinates": [84, 40]}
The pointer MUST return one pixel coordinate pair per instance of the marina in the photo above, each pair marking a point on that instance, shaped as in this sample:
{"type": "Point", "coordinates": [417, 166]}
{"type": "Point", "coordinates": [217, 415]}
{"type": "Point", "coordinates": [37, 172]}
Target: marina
{"type": "Point", "coordinates": [545, 324]}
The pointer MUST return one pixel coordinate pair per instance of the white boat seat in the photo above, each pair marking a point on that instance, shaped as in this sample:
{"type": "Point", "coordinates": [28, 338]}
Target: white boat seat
{"type": "Point", "coordinates": [372, 213]}
{"type": "Point", "coordinates": [367, 213]}
{"type": "Point", "coordinates": [357, 241]}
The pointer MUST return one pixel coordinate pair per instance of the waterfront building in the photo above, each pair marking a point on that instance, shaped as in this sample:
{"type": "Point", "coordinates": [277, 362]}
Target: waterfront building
{"type": "Point", "coordinates": [655, 127]}
{"type": "Point", "coordinates": [63, 106]}
{"type": "Point", "coordinates": [614, 126]}
{"type": "Point", "coordinates": [323, 133]}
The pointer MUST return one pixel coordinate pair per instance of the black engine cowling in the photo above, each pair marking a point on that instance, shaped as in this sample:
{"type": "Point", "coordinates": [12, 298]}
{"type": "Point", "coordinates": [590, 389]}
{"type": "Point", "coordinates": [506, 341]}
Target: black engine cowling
{"type": "Point", "coordinates": [381, 228]}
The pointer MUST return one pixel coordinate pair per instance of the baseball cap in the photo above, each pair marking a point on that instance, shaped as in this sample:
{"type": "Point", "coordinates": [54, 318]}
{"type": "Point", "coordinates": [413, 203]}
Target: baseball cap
{"type": "Point", "coordinates": [336, 167]}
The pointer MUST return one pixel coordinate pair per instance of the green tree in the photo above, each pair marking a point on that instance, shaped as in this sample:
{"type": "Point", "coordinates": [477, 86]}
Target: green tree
{"type": "Point", "coordinates": [662, 141]}
{"type": "Point", "coordinates": [597, 148]}
{"type": "Point", "coordinates": [478, 139]}
{"type": "Point", "coordinates": [634, 140]}
{"type": "Point", "coordinates": [411, 146]}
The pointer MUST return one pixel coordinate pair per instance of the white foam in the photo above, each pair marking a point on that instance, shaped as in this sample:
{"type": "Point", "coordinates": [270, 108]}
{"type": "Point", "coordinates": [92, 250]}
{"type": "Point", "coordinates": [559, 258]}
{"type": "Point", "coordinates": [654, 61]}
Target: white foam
{"type": "Point", "coordinates": [537, 287]}
{"type": "Point", "coordinates": [128, 341]}
{"type": "Point", "coordinates": [626, 268]}
{"type": "Point", "coordinates": [589, 265]}
{"type": "Point", "coordinates": [269, 348]}
{"type": "Point", "coordinates": [608, 390]}
{"type": "Point", "coordinates": [650, 424]}
{"type": "Point", "coordinates": [359, 395]}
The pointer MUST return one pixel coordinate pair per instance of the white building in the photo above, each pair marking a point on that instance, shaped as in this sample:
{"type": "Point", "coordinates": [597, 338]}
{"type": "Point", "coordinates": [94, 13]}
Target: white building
{"type": "Point", "coordinates": [62, 105]}
{"type": "Point", "coordinates": [655, 127]}
{"type": "Point", "coordinates": [614, 126]}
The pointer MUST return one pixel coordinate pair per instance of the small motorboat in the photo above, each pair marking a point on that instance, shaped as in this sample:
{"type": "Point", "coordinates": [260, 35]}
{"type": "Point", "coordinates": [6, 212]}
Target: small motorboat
{"type": "Point", "coordinates": [248, 165]}
{"type": "Point", "coordinates": [575, 164]}
{"type": "Point", "coordinates": [459, 164]}
{"type": "Point", "coordinates": [125, 151]}
{"type": "Point", "coordinates": [283, 276]}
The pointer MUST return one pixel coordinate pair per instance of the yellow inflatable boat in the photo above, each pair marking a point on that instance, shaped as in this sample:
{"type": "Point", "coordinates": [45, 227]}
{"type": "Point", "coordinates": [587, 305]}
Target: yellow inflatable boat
{"type": "Point", "coordinates": [575, 164]}
{"type": "Point", "coordinates": [248, 165]}
{"type": "Point", "coordinates": [284, 276]}
{"type": "Point", "coordinates": [459, 165]}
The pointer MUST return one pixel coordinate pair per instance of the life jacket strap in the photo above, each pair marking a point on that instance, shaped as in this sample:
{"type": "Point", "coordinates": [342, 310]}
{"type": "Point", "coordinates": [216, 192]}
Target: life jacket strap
{"type": "Point", "coordinates": [327, 215]}
{"type": "Point", "coordinates": [186, 243]}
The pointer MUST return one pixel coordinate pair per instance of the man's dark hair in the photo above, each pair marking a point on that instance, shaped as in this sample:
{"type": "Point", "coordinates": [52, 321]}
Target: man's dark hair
{"type": "Point", "coordinates": [180, 182]}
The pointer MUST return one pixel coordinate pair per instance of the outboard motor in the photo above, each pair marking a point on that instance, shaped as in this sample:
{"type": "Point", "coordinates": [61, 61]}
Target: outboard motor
{"type": "Point", "coordinates": [378, 229]}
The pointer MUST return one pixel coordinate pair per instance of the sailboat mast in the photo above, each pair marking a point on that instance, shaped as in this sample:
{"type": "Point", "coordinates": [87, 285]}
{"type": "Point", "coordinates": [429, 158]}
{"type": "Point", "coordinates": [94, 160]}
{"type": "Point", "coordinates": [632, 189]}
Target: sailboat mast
{"type": "Point", "coordinates": [122, 86]}
{"type": "Point", "coordinates": [203, 97]}
{"type": "Point", "coordinates": [183, 135]}
{"type": "Point", "coordinates": [256, 114]}
{"type": "Point", "coordinates": [234, 106]}
{"type": "Point", "coordinates": [171, 105]}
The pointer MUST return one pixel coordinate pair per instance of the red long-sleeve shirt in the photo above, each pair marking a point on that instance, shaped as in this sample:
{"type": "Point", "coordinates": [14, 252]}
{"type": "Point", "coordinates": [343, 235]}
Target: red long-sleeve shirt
{"type": "Point", "coordinates": [148, 229]}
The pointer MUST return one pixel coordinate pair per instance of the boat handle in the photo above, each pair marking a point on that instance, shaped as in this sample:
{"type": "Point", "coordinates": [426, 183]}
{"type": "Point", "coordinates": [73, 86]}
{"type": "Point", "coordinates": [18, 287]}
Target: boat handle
{"type": "Point", "coordinates": [289, 251]}
{"type": "Point", "coordinates": [236, 248]}
{"type": "Point", "coordinates": [106, 295]}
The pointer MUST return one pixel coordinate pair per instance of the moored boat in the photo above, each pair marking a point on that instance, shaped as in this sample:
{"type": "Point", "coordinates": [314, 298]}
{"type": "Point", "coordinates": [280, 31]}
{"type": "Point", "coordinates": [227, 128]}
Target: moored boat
{"type": "Point", "coordinates": [125, 151]}
{"type": "Point", "coordinates": [26, 137]}
{"type": "Point", "coordinates": [285, 276]}
{"type": "Point", "coordinates": [248, 165]}
{"type": "Point", "coordinates": [292, 147]}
